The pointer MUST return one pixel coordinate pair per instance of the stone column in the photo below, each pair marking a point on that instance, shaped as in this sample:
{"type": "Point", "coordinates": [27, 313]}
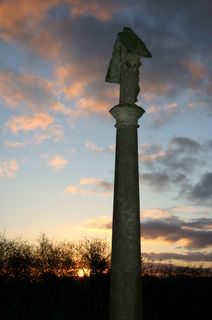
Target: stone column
{"type": "Point", "coordinates": [125, 285]}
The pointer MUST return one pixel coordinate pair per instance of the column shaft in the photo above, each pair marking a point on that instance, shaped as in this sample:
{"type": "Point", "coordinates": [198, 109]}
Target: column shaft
{"type": "Point", "coordinates": [125, 289]}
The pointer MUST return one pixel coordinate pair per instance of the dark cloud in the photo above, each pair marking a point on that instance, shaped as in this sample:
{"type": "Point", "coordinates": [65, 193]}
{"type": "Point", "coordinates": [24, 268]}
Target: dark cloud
{"type": "Point", "coordinates": [188, 256]}
{"type": "Point", "coordinates": [177, 167]}
{"type": "Point", "coordinates": [209, 144]}
{"type": "Point", "coordinates": [203, 223]}
{"type": "Point", "coordinates": [170, 167]}
{"type": "Point", "coordinates": [202, 191]}
{"type": "Point", "coordinates": [83, 32]}
{"type": "Point", "coordinates": [185, 145]}
{"type": "Point", "coordinates": [173, 230]}
{"type": "Point", "coordinates": [157, 180]}
{"type": "Point", "coordinates": [196, 233]}
{"type": "Point", "coordinates": [178, 39]}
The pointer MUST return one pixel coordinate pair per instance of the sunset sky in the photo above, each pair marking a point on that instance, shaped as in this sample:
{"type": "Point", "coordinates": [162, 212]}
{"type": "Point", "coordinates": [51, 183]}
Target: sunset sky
{"type": "Point", "coordinates": [57, 137]}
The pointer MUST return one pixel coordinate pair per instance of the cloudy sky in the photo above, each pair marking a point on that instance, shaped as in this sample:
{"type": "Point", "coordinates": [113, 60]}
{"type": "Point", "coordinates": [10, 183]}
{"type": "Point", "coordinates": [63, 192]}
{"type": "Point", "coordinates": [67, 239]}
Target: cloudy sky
{"type": "Point", "coordinates": [57, 137]}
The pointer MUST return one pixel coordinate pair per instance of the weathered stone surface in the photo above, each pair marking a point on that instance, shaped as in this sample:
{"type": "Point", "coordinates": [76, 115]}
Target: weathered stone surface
{"type": "Point", "coordinates": [125, 291]}
{"type": "Point", "coordinates": [127, 115]}
{"type": "Point", "coordinates": [125, 285]}
{"type": "Point", "coordinates": [125, 63]}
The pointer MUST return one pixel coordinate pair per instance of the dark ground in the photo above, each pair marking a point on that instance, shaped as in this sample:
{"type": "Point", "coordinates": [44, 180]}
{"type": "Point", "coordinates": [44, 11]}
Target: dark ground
{"type": "Point", "coordinates": [87, 299]}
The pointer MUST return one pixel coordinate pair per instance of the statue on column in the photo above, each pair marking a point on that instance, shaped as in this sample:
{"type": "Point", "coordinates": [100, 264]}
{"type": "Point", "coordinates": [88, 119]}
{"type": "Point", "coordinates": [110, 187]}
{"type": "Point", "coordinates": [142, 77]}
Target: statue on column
{"type": "Point", "coordinates": [125, 283]}
{"type": "Point", "coordinates": [124, 65]}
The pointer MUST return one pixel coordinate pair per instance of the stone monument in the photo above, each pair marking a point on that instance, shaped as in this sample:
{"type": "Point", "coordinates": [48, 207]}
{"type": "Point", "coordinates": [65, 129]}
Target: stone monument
{"type": "Point", "coordinates": [125, 283]}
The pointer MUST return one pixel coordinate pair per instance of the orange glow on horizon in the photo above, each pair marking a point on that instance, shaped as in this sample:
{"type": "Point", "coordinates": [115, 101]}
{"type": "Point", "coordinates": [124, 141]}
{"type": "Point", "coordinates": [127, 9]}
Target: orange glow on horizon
{"type": "Point", "coordinates": [83, 272]}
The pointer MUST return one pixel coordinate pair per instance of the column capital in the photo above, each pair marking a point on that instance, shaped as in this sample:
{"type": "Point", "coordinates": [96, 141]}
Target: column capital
{"type": "Point", "coordinates": [127, 114]}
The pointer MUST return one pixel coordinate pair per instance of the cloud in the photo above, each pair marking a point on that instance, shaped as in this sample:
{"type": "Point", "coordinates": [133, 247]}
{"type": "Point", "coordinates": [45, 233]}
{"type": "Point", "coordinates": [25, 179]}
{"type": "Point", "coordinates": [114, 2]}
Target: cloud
{"type": "Point", "coordinates": [44, 44]}
{"type": "Point", "coordinates": [160, 115]}
{"type": "Point", "coordinates": [102, 11]}
{"type": "Point", "coordinates": [150, 152]}
{"type": "Point", "coordinates": [98, 150]}
{"type": "Point", "coordinates": [28, 123]}
{"type": "Point", "coordinates": [176, 167]}
{"type": "Point", "coordinates": [17, 144]}
{"type": "Point", "coordinates": [26, 90]}
{"type": "Point", "coordinates": [197, 69]}
{"type": "Point", "coordinates": [83, 32]}
{"type": "Point", "coordinates": [184, 144]}
{"type": "Point", "coordinates": [74, 78]}
{"type": "Point", "coordinates": [160, 225]}
{"type": "Point", "coordinates": [155, 213]}
{"type": "Point", "coordinates": [37, 94]}
{"type": "Point", "coordinates": [19, 18]}
{"type": "Point", "coordinates": [97, 182]}
{"type": "Point", "coordinates": [16, 16]}
{"type": "Point", "coordinates": [201, 192]}
{"type": "Point", "coordinates": [73, 189]}
{"type": "Point", "coordinates": [57, 162]}
{"type": "Point", "coordinates": [158, 180]}
{"type": "Point", "coordinates": [174, 230]}
{"type": "Point", "coordinates": [54, 132]}
{"type": "Point", "coordinates": [203, 223]}
{"type": "Point", "coordinates": [176, 155]}
{"type": "Point", "coordinates": [178, 65]}
{"type": "Point", "coordinates": [91, 104]}
{"type": "Point", "coordinates": [188, 256]}
{"type": "Point", "coordinates": [91, 186]}
{"type": "Point", "coordinates": [103, 222]}
{"type": "Point", "coordinates": [33, 23]}
{"type": "Point", "coordinates": [8, 168]}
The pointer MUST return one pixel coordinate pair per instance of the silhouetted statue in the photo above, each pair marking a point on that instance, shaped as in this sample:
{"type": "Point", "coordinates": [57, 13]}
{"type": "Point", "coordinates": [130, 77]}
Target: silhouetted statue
{"type": "Point", "coordinates": [125, 63]}
{"type": "Point", "coordinates": [125, 284]}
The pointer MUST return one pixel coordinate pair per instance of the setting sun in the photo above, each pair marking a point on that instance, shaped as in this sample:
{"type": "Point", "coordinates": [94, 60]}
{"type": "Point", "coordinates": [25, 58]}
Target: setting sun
{"type": "Point", "coordinates": [81, 273]}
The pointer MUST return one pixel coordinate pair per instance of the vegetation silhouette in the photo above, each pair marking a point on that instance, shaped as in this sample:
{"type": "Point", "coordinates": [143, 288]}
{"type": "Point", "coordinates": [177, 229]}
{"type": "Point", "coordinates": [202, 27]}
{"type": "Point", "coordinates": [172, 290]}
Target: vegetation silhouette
{"type": "Point", "coordinates": [53, 280]}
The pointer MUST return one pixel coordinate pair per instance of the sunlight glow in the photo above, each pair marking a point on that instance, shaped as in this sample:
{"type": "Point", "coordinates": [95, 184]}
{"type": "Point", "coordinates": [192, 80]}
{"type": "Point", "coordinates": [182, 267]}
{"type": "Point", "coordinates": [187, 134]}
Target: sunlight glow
{"type": "Point", "coordinates": [83, 272]}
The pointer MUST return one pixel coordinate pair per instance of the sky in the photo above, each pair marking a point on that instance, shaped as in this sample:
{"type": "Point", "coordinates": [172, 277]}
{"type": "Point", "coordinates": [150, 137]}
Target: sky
{"type": "Point", "coordinates": [57, 136]}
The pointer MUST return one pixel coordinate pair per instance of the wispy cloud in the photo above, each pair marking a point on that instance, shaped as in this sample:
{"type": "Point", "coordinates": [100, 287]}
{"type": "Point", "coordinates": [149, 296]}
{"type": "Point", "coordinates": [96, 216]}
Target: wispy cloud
{"type": "Point", "coordinates": [17, 144]}
{"type": "Point", "coordinates": [98, 150]}
{"type": "Point", "coordinates": [54, 132]}
{"type": "Point", "coordinates": [92, 104]}
{"type": "Point", "coordinates": [160, 115]}
{"type": "Point", "coordinates": [187, 256]}
{"type": "Point", "coordinates": [196, 68]}
{"type": "Point", "coordinates": [103, 11]}
{"type": "Point", "coordinates": [150, 152]}
{"type": "Point", "coordinates": [91, 186]}
{"type": "Point", "coordinates": [155, 213]}
{"type": "Point", "coordinates": [8, 168]}
{"type": "Point", "coordinates": [26, 91]}
{"type": "Point", "coordinates": [57, 162]}
{"type": "Point", "coordinates": [73, 79]}
{"type": "Point", "coordinates": [101, 223]}
{"type": "Point", "coordinates": [28, 123]}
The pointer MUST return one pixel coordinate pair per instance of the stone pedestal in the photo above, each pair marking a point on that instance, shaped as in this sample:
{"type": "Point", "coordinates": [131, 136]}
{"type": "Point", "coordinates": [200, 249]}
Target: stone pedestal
{"type": "Point", "coordinates": [125, 285]}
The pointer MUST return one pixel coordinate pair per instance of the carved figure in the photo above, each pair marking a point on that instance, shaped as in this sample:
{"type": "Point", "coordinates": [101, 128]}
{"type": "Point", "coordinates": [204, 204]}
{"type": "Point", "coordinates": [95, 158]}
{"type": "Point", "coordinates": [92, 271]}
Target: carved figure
{"type": "Point", "coordinates": [125, 63]}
